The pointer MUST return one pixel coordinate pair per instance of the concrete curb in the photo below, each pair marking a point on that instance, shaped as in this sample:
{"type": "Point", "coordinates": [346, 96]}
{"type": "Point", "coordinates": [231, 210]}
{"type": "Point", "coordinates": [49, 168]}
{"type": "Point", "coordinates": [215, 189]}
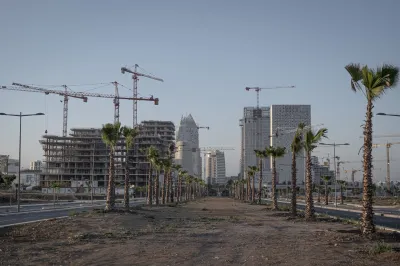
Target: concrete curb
{"type": "Point", "coordinates": [377, 226]}
{"type": "Point", "coordinates": [35, 221]}
{"type": "Point", "coordinates": [343, 209]}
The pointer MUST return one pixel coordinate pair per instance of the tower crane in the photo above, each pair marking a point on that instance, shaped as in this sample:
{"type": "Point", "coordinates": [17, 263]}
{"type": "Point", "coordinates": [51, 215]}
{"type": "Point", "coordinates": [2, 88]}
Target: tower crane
{"type": "Point", "coordinates": [201, 127]}
{"type": "Point", "coordinates": [135, 77]}
{"type": "Point", "coordinates": [387, 136]}
{"type": "Point", "coordinates": [353, 173]}
{"type": "Point", "coordinates": [258, 89]}
{"type": "Point", "coordinates": [80, 95]}
{"type": "Point", "coordinates": [388, 145]}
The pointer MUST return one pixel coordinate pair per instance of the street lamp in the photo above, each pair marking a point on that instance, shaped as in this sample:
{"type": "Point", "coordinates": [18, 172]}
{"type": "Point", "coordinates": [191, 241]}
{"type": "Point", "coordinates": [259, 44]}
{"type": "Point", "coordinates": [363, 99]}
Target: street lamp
{"type": "Point", "coordinates": [20, 115]}
{"type": "Point", "coordinates": [334, 162]}
{"type": "Point", "coordinates": [384, 114]}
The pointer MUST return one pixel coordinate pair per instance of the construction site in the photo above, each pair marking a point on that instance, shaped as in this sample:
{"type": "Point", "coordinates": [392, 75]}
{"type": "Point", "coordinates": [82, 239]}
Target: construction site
{"type": "Point", "coordinates": [82, 158]}
{"type": "Point", "coordinates": [79, 159]}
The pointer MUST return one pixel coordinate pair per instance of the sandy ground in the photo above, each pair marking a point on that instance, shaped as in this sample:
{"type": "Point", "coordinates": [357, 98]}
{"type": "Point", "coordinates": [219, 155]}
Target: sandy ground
{"type": "Point", "coordinates": [213, 231]}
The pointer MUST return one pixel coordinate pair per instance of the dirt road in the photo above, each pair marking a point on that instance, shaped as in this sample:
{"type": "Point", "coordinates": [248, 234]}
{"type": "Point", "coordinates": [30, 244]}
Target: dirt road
{"type": "Point", "coordinates": [214, 231]}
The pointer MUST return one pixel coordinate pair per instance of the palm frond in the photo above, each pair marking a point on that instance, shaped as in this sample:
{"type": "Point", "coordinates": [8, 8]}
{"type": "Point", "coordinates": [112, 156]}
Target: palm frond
{"type": "Point", "coordinates": [111, 133]}
{"type": "Point", "coordinates": [129, 134]}
{"type": "Point", "coordinates": [275, 152]}
{"type": "Point", "coordinates": [391, 75]}
{"type": "Point", "coordinates": [311, 138]}
{"type": "Point", "coordinates": [356, 75]}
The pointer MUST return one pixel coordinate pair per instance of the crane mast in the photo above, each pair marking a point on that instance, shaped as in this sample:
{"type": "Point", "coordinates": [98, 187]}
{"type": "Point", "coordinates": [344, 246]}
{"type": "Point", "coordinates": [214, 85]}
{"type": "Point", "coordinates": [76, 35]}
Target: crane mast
{"type": "Point", "coordinates": [135, 77]}
{"type": "Point", "coordinates": [388, 145]}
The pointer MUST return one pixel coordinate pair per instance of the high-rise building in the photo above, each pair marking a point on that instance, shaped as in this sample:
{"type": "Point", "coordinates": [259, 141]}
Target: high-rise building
{"type": "Point", "coordinates": [188, 135]}
{"type": "Point", "coordinates": [284, 120]}
{"type": "Point", "coordinates": [215, 167]}
{"type": "Point", "coordinates": [255, 127]}
{"type": "Point", "coordinates": [35, 165]}
{"type": "Point", "coordinates": [83, 156]}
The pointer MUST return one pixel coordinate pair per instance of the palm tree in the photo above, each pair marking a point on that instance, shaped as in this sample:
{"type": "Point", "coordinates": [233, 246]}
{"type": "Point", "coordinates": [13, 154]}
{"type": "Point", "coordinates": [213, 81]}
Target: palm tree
{"type": "Point", "coordinates": [152, 157]}
{"type": "Point", "coordinates": [343, 185]}
{"type": "Point", "coordinates": [181, 174]}
{"type": "Point", "coordinates": [167, 165]}
{"type": "Point", "coordinates": [373, 83]}
{"type": "Point", "coordinates": [326, 179]}
{"type": "Point", "coordinates": [296, 148]}
{"type": "Point", "coordinates": [159, 165]}
{"type": "Point", "coordinates": [261, 155]}
{"type": "Point", "coordinates": [170, 194]}
{"type": "Point", "coordinates": [129, 134]}
{"type": "Point", "coordinates": [274, 152]}
{"type": "Point", "coordinates": [311, 139]}
{"type": "Point", "coordinates": [177, 168]}
{"type": "Point", "coordinates": [251, 172]}
{"type": "Point", "coordinates": [110, 134]}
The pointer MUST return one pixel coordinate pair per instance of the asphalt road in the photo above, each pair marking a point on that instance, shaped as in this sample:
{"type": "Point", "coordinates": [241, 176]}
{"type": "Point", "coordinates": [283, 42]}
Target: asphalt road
{"type": "Point", "coordinates": [23, 217]}
{"type": "Point", "coordinates": [45, 206]}
{"type": "Point", "coordinates": [389, 222]}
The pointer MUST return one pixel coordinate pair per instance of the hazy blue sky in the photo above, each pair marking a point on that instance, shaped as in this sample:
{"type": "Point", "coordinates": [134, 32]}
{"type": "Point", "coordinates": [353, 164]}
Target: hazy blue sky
{"type": "Point", "coordinates": [207, 52]}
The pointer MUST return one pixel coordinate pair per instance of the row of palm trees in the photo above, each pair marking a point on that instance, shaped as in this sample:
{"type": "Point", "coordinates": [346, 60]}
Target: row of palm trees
{"type": "Point", "coordinates": [304, 139]}
{"type": "Point", "coordinates": [191, 186]}
{"type": "Point", "coordinates": [187, 186]}
{"type": "Point", "coordinates": [373, 83]}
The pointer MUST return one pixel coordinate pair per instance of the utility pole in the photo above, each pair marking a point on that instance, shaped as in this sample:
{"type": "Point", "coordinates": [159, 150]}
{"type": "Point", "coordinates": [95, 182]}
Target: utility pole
{"type": "Point", "coordinates": [334, 162]}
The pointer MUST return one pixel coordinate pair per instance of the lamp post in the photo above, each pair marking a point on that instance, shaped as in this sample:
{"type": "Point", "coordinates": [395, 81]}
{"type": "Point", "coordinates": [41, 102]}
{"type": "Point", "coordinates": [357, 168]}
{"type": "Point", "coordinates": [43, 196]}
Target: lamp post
{"type": "Point", "coordinates": [334, 162]}
{"type": "Point", "coordinates": [20, 115]}
{"type": "Point", "coordinates": [384, 114]}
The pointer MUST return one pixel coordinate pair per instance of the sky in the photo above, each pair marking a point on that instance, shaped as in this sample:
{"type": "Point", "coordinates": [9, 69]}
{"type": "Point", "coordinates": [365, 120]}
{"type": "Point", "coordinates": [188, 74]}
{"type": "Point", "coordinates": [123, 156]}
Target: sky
{"type": "Point", "coordinates": [207, 52]}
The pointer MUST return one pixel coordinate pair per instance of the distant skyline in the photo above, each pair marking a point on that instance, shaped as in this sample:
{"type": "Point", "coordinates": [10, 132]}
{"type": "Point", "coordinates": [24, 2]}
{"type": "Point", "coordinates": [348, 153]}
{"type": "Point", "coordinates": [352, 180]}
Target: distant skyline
{"type": "Point", "coordinates": [207, 52]}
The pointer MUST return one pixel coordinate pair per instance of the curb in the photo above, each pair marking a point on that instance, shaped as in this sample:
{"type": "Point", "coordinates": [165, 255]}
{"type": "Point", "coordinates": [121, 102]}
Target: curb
{"type": "Point", "coordinates": [35, 221]}
{"type": "Point", "coordinates": [384, 228]}
{"type": "Point", "coordinates": [47, 210]}
{"type": "Point", "coordinates": [341, 209]}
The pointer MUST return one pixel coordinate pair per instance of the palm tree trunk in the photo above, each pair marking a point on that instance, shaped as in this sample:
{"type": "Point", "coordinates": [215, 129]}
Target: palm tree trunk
{"type": "Point", "coordinates": [126, 190]}
{"type": "Point", "coordinates": [163, 192]}
{"type": "Point", "coordinates": [110, 198]}
{"type": "Point", "coordinates": [248, 188]}
{"type": "Point", "coordinates": [150, 187]}
{"type": "Point", "coordinates": [341, 194]}
{"type": "Point", "coordinates": [273, 187]}
{"type": "Point", "coordinates": [253, 191]}
{"type": "Point", "coordinates": [180, 188]}
{"type": "Point", "coordinates": [326, 194]}
{"type": "Point", "coordinates": [260, 180]}
{"type": "Point", "coordinates": [294, 185]}
{"type": "Point", "coordinates": [367, 222]}
{"type": "Point", "coordinates": [309, 213]}
{"type": "Point", "coordinates": [171, 192]}
{"type": "Point", "coordinates": [157, 187]}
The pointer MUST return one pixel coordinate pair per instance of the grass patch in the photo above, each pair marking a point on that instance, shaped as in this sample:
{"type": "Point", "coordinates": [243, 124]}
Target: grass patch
{"type": "Point", "coordinates": [72, 213]}
{"type": "Point", "coordinates": [380, 247]}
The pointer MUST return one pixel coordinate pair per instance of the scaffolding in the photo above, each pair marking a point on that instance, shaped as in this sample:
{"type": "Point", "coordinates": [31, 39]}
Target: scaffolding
{"type": "Point", "coordinates": [83, 157]}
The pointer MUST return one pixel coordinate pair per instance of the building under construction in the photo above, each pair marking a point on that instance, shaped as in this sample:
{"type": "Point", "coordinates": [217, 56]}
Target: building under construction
{"type": "Point", "coordinates": [82, 158]}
